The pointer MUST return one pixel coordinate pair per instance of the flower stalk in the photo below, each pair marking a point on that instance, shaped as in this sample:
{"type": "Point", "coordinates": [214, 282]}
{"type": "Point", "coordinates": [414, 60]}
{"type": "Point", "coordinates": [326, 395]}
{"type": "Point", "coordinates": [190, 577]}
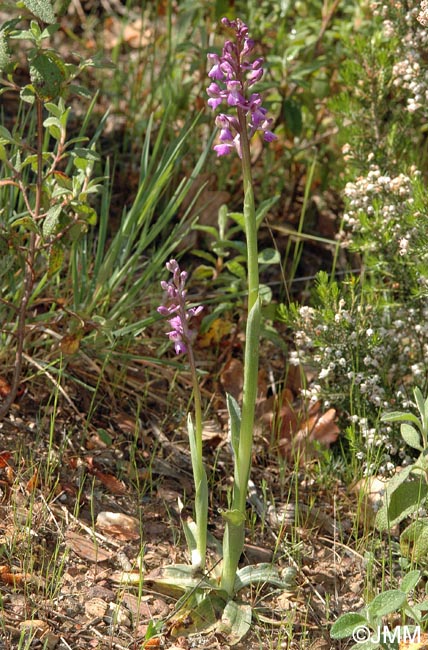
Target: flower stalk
{"type": "Point", "coordinates": [183, 336]}
{"type": "Point", "coordinates": [234, 73]}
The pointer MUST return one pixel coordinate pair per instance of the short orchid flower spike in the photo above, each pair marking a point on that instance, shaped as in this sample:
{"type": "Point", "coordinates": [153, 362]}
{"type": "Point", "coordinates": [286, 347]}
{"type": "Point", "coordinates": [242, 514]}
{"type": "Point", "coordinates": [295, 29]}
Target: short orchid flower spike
{"type": "Point", "coordinates": [181, 334]}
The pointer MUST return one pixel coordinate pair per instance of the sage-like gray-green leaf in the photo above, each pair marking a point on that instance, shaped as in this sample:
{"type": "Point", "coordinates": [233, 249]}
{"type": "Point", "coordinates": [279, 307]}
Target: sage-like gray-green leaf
{"type": "Point", "coordinates": [411, 436]}
{"type": "Point", "coordinates": [404, 500]}
{"type": "Point", "coordinates": [414, 541]}
{"type": "Point", "coordinates": [400, 416]}
{"type": "Point", "coordinates": [4, 52]}
{"type": "Point", "coordinates": [386, 602]}
{"type": "Point", "coordinates": [410, 581]}
{"type": "Point", "coordinates": [346, 624]}
{"type": "Point", "coordinates": [51, 219]}
{"type": "Point", "coordinates": [41, 9]}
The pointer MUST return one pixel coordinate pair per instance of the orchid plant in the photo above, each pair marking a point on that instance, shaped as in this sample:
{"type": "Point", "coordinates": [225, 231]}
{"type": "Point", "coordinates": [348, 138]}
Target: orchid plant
{"type": "Point", "coordinates": [183, 336]}
{"type": "Point", "coordinates": [233, 74]}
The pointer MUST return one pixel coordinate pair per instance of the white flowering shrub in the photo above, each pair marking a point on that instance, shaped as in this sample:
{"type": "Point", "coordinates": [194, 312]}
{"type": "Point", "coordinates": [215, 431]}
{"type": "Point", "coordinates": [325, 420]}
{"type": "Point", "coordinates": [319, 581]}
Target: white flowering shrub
{"type": "Point", "coordinates": [363, 357]}
{"type": "Point", "coordinates": [404, 24]}
{"type": "Point", "coordinates": [385, 221]}
{"type": "Point", "coordinates": [363, 343]}
{"type": "Point", "coordinates": [383, 115]}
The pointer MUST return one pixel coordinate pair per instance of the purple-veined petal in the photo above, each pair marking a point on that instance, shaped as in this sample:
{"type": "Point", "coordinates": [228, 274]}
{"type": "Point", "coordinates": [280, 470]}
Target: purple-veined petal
{"type": "Point", "coordinates": [225, 135]}
{"type": "Point", "coordinates": [214, 102]}
{"type": "Point", "coordinates": [223, 149]}
{"type": "Point", "coordinates": [268, 136]}
{"type": "Point", "coordinates": [254, 76]}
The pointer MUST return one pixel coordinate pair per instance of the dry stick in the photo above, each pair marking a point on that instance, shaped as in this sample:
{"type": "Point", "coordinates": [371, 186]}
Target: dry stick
{"type": "Point", "coordinates": [326, 20]}
{"type": "Point", "coordinates": [29, 271]}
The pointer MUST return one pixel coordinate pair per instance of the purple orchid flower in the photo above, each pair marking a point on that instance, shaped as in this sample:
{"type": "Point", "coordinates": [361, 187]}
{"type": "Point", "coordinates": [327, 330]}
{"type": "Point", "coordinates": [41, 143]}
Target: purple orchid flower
{"type": "Point", "coordinates": [233, 73]}
{"type": "Point", "coordinates": [181, 334]}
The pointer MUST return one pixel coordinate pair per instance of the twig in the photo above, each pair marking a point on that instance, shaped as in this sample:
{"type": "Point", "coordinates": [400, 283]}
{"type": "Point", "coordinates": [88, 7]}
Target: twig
{"type": "Point", "coordinates": [55, 383]}
{"type": "Point", "coordinates": [29, 271]}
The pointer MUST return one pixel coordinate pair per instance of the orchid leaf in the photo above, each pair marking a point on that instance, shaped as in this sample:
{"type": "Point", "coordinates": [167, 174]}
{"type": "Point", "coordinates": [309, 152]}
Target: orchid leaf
{"type": "Point", "coordinates": [198, 611]}
{"type": "Point", "coordinates": [264, 573]}
{"type": "Point", "coordinates": [235, 516]}
{"type": "Point", "coordinates": [235, 622]}
{"type": "Point", "coordinates": [234, 422]}
{"type": "Point", "coordinates": [190, 531]}
{"type": "Point", "coordinates": [176, 579]}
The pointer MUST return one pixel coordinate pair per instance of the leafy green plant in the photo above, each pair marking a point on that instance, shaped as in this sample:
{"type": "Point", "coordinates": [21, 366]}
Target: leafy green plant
{"type": "Point", "coordinates": [367, 627]}
{"type": "Point", "coordinates": [110, 285]}
{"type": "Point", "coordinates": [45, 186]}
{"type": "Point", "coordinates": [406, 493]}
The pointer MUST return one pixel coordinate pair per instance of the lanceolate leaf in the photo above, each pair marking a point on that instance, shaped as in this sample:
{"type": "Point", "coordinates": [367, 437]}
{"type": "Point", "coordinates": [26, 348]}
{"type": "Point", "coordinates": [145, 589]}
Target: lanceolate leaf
{"type": "Point", "coordinates": [234, 422]}
{"type": "Point", "coordinates": [235, 622]}
{"type": "Point", "coordinates": [4, 52]}
{"type": "Point", "coordinates": [56, 258]}
{"type": "Point", "coordinates": [41, 9]}
{"type": "Point", "coordinates": [50, 222]}
{"type": "Point", "coordinates": [264, 573]}
{"type": "Point", "coordinates": [47, 74]}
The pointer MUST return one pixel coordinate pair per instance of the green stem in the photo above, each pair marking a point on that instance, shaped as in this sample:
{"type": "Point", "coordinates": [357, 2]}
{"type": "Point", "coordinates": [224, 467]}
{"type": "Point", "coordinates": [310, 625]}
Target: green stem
{"type": "Point", "coordinates": [199, 474]}
{"type": "Point", "coordinates": [234, 536]}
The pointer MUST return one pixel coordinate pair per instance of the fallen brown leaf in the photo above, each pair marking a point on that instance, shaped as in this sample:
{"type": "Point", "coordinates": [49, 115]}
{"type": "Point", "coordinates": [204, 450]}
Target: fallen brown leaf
{"type": "Point", "coordinates": [4, 458]}
{"type": "Point", "coordinates": [95, 608]}
{"type": "Point", "coordinates": [10, 578]}
{"type": "Point", "coordinates": [299, 429]}
{"type": "Point", "coordinates": [422, 644]}
{"type": "Point", "coordinates": [32, 483]}
{"type": "Point", "coordinates": [118, 525]}
{"type": "Point", "coordinates": [218, 330]}
{"type": "Point", "coordinates": [232, 378]}
{"type": "Point", "coordinates": [110, 482]}
{"type": "Point", "coordinates": [70, 343]}
{"type": "Point", "coordinates": [87, 549]}
{"type": "Point", "coordinates": [325, 430]}
{"type": "Point", "coordinates": [4, 387]}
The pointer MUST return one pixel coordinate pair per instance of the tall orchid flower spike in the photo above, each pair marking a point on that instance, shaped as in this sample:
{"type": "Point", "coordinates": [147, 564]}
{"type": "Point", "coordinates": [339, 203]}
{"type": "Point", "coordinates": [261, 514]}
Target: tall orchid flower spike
{"type": "Point", "coordinates": [183, 336]}
{"type": "Point", "coordinates": [233, 75]}
{"type": "Point", "coordinates": [208, 602]}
